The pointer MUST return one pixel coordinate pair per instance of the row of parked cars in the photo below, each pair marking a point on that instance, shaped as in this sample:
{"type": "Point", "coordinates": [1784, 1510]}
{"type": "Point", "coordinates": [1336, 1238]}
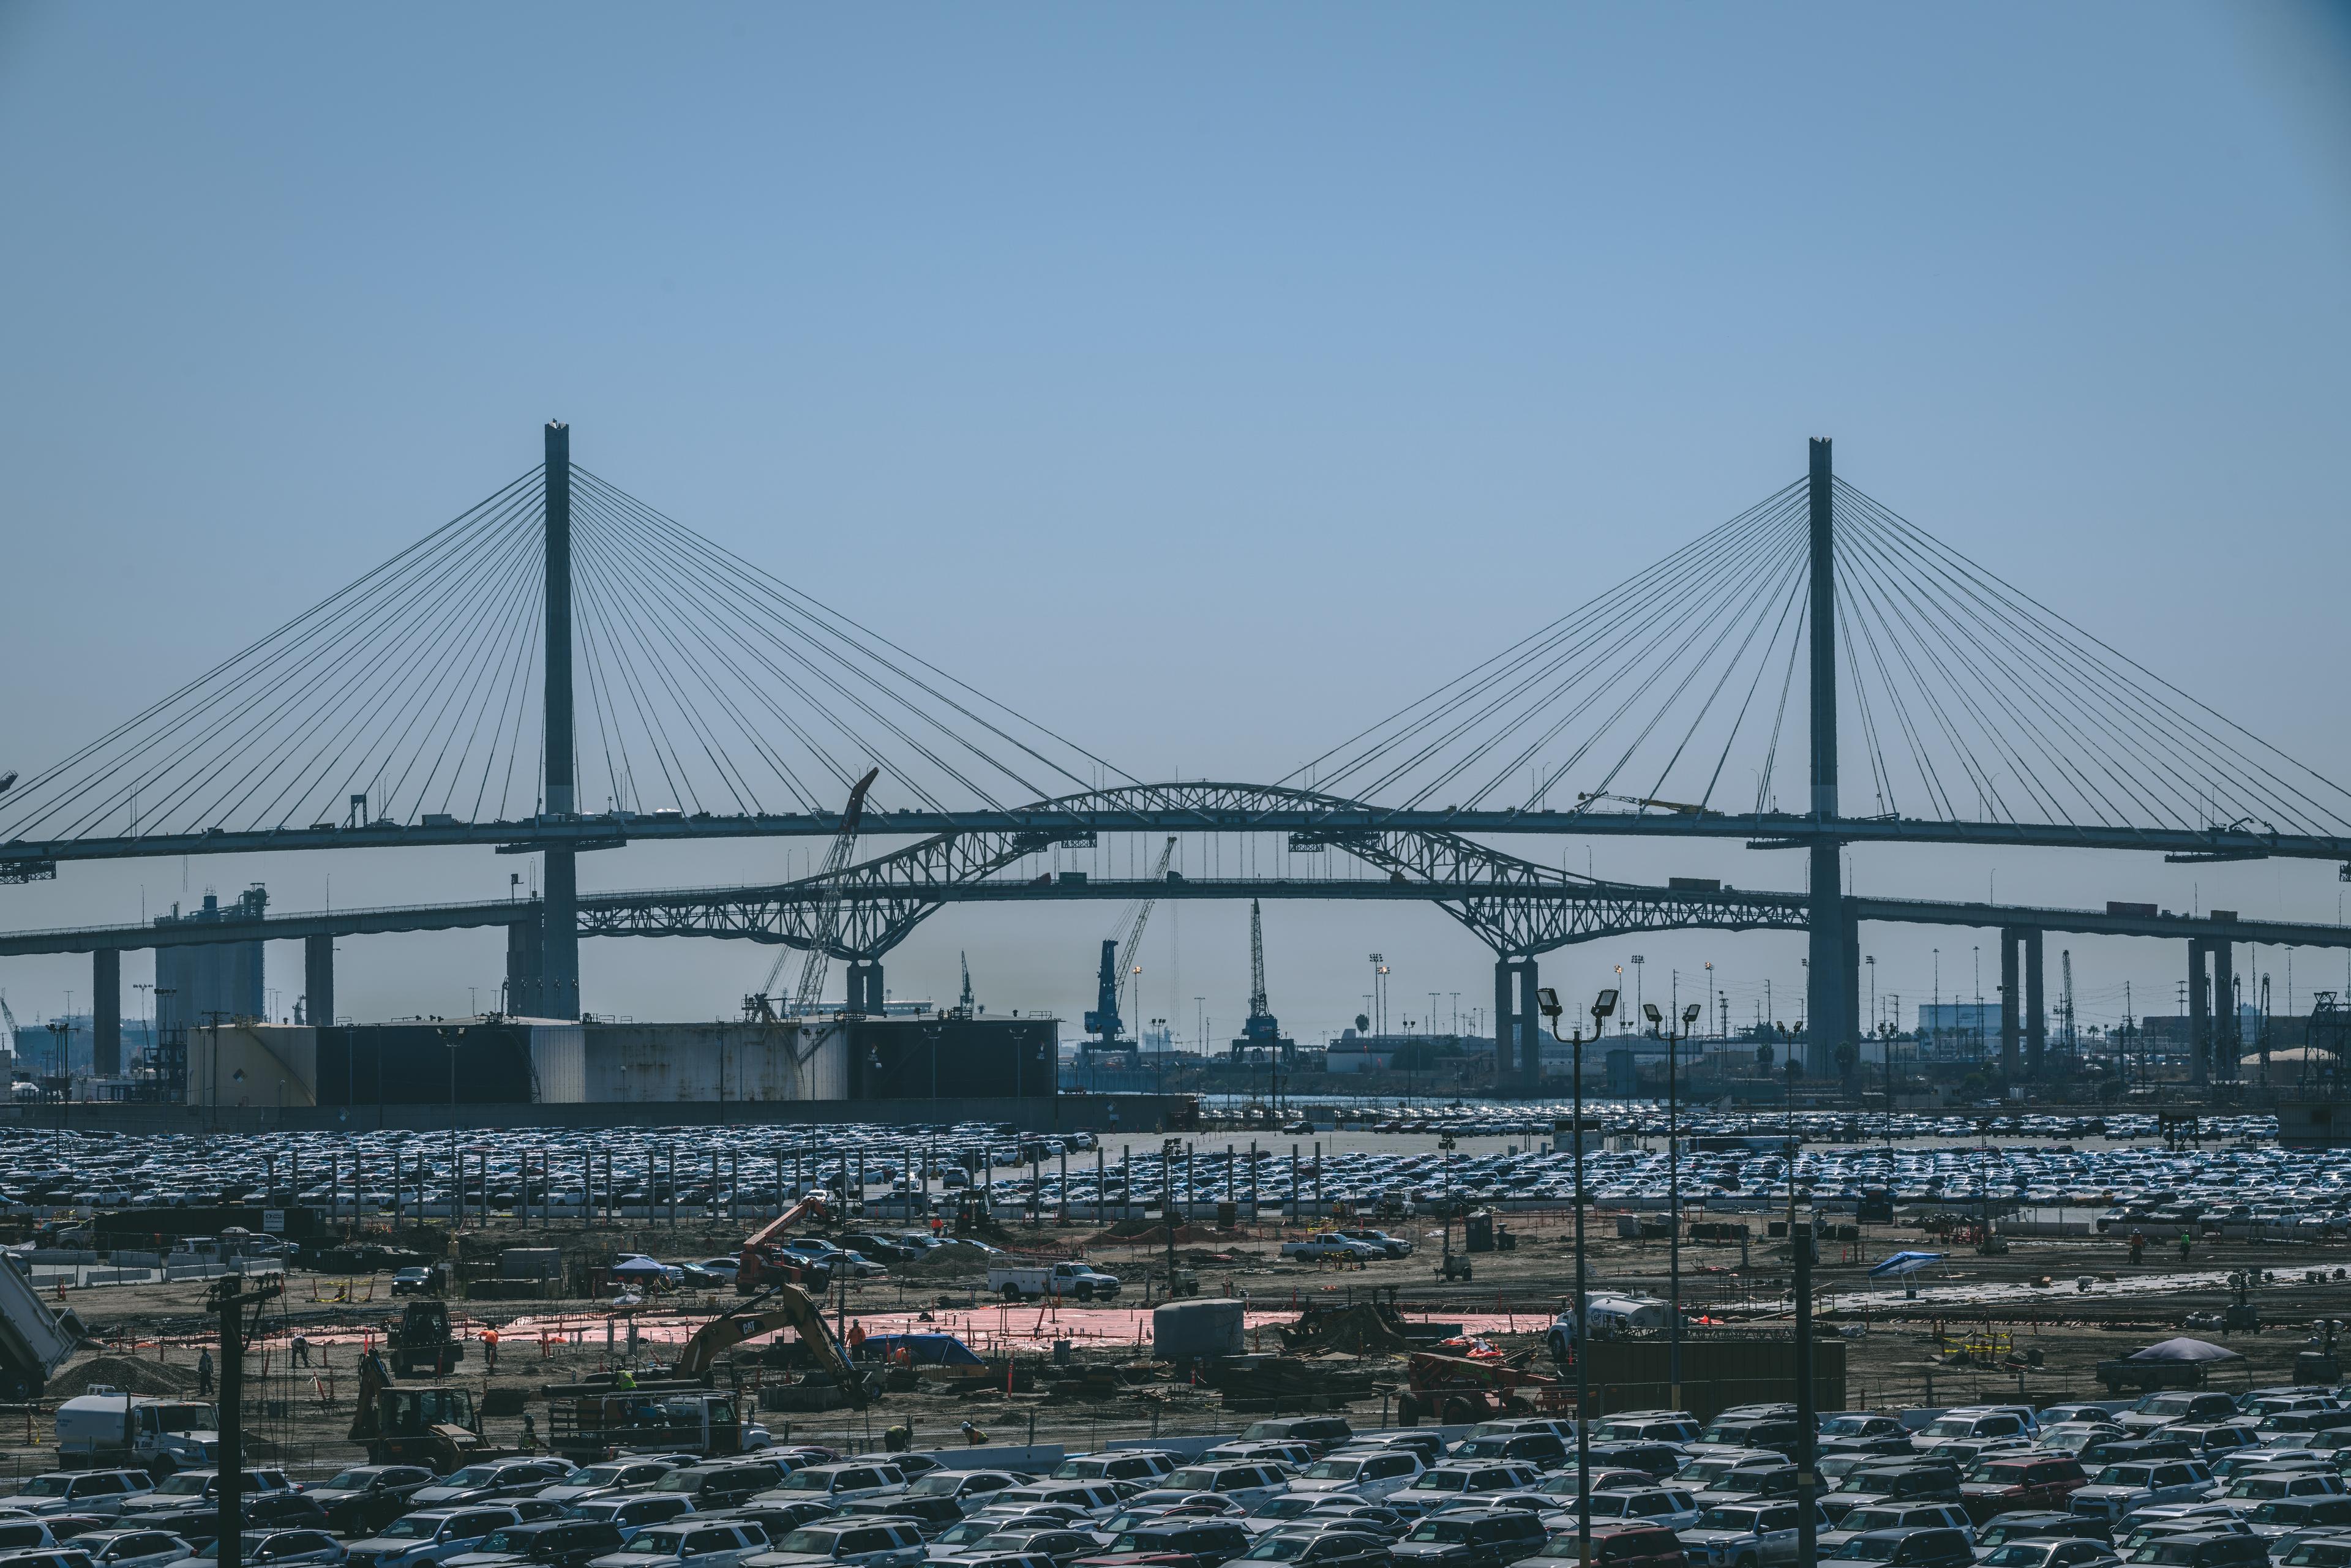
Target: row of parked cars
{"type": "Point", "coordinates": [2181, 1480]}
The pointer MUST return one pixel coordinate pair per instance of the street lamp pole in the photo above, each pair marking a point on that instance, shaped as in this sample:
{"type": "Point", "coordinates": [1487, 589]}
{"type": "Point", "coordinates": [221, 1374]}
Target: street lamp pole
{"type": "Point", "coordinates": [1674, 1187]}
{"type": "Point", "coordinates": [1547, 1000]}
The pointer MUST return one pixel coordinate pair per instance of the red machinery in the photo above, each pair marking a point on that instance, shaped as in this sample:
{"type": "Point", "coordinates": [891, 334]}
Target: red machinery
{"type": "Point", "coordinates": [1455, 1390]}
{"type": "Point", "coordinates": [764, 1263]}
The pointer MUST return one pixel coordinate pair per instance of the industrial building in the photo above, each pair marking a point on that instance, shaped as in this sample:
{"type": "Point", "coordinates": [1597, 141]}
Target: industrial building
{"type": "Point", "coordinates": [554, 1061]}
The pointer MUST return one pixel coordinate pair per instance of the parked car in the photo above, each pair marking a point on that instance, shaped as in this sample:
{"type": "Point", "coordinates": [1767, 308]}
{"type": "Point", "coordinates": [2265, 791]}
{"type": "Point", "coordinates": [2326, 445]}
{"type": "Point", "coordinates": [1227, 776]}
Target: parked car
{"type": "Point", "coordinates": [429, 1535]}
{"type": "Point", "coordinates": [1366, 1473]}
{"type": "Point", "coordinates": [2174, 1405]}
{"type": "Point", "coordinates": [705, 1543]}
{"type": "Point", "coordinates": [1616, 1546]}
{"type": "Point", "coordinates": [101, 1492]}
{"type": "Point", "coordinates": [2030, 1481]}
{"type": "Point", "coordinates": [1676, 1426]}
{"type": "Point", "coordinates": [1663, 1507]}
{"type": "Point", "coordinates": [1881, 1517]}
{"type": "Point", "coordinates": [1471, 1538]}
{"type": "Point", "coordinates": [2119, 1491]}
{"type": "Point", "coordinates": [2205, 1549]}
{"type": "Point", "coordinates": [554, 1542]}
{"type": "Point", "coordinates": [1745, 1535]}
{"type": "Point", "coordinates": [490, 1481]}
{"type": "Point", "coordinates": [1323, 1549]}
{"type": "Point", "coordinates": [1855, 1432]}
{"type": "Point", "coordinates": [133, 1547]}
{"type": "Point", "coordinates": [189, 1488]}
{"type": "Point", "coordinates": [2039, 1526]}
{"type": "Point", "coordinates": [1142, 1465]}
{"type": "Point", "coordinates": [632, 1514]}
{"type": "Point", "coordinates": [837, 1483]}
{"type": "Point", "coordinates": [1245, 1485]}
{"type": "Point", "coordinates": [1924, 1548]}
{"type": "Point", "coordinates": [606, 1480]}
{"type": "Point", "coordinates": [365, 1497]}
{"type": "Point", "coordinates": [281, 1548]}
{"type": "Point", "coordinates": [1173, 1544]}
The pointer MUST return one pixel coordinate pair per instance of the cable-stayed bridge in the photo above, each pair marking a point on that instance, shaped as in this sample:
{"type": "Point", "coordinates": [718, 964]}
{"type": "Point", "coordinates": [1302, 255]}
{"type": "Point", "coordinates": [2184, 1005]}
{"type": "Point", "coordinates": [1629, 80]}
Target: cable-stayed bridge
{"type": "Point", "coordinates": [561, 669]}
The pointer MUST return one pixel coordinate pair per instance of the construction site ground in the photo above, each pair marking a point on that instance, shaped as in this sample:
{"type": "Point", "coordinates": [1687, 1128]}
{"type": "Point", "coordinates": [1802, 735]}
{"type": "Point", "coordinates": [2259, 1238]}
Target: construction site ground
{"type": "Point", "coordinates": [1971, 1313]}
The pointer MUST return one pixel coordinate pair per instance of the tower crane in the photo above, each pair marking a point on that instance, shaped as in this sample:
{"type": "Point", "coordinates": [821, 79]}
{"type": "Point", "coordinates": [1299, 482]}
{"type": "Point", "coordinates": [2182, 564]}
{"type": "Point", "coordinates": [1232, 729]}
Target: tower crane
{"type": "Point", "coordinates": [965, 1006]}
{"type": "Point", "coordinates": [1118, 961]}
{"type": "Point", "coordinates": [1262, 1031]}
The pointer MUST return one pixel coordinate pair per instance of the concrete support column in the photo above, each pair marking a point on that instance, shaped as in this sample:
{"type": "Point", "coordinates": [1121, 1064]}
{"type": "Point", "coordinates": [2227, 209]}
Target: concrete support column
{"type": "Point", "coordinates": [525, 949]}
{"type": "Point", "coordinates": [2228, 1033]}
{"type": "Point", "coordinates": [559, 929]}
{"type": "Point", "coordinates": [319, 980]}
{"type": "Point", "coordinates": [876, 994]}
{"type": "Point", "coordinates": [2009, 998]}
{"type": "Point", "coordinates": [1531, 1067]}
{"type": "Point", "coordinates": [2036, 1009]}
{"type": "Point", "coordinates": [1506, 1060]}
{"type": "Point", "coordinates": [2200, 1014]}
{"type": "Point", "coordinates": [105, 1013]}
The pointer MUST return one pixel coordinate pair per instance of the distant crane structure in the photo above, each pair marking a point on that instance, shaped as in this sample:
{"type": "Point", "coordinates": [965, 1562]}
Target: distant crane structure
{"type": "Point", "coordinates": [965, 1006]}
{"type": "Point", "coordinates": [1262, 1031]}
{"type": "Point", "coordinates": [1118, 956]}
{"type": "Point", "coordinates": [827, 925]}
{"type": "Point", "coordinates": [2065, 1001]}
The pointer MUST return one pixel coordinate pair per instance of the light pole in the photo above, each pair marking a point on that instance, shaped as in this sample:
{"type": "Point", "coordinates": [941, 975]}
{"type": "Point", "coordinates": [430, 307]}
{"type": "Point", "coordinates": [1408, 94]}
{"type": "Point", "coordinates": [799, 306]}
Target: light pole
{"type": "Point", "coordinates": [1673, 1196]}
{"type": "Point", "coordinates": [1603, 1005]}
{"type": "Point", "coordinates": [449, 1040]}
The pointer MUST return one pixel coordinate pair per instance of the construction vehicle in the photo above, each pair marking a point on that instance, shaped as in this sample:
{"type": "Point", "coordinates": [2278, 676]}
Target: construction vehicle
{"type": "Point", "coordinates": [435, 1426]}
{"type": "Point", "coordinates": [786, 1306]}
{"type": "Point", "coordinates": [1262, 1031]}
{"type": "Point", "coordinates": [675, 1408]}
{"type": "Point", "coordinates": [1118, 956]}
{"type": "Point", "coordinates": [1455, 1390]}
{"type": "Point", "coordinates": [418, 1338]}
{"type": "Point", "coordinates": [764, 1262]}
{"type": "Point", "coordinates": [108, 1429]}
{"type": "Point", "coordinates": [34, 1340]}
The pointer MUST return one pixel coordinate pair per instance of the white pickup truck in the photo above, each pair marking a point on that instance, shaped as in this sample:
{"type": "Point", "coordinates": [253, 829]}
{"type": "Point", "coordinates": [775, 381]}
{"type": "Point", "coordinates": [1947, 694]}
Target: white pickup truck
{"type": "Point", "coordinates": [107, 1426]}
{"type": "Point", "coordinates": [1081, 1281]}
{"type": "Point", "coordinates": [1327, 1247]}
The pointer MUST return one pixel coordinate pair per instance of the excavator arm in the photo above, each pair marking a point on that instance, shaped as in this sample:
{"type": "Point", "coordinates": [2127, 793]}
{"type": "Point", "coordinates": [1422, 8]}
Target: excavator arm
{"type": "Point", "coordinates": [787, 1306]}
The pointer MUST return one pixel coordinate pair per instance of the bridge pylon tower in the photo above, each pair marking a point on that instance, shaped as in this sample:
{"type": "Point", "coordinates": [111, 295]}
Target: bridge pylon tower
{"type": "Point", "coordinates": [558, 976]}
{"type": "Point", "coordinates": [1832, 974]}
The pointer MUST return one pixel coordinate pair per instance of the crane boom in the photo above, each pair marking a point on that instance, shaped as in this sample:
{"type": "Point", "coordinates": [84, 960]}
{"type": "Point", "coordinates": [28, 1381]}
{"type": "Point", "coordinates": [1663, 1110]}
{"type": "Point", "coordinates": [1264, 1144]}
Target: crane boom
{"type": "Point", "coordinates": [1674, 806]}
{"type": "Point", "coordinates": [1132, 947]}
{"type": "Point", "coordinates": [828, 917]}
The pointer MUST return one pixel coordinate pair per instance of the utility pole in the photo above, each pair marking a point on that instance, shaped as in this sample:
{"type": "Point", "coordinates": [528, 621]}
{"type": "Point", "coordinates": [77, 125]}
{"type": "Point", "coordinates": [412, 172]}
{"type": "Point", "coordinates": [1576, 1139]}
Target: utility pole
{"type": "Point", "coordinates": [230, 1297]}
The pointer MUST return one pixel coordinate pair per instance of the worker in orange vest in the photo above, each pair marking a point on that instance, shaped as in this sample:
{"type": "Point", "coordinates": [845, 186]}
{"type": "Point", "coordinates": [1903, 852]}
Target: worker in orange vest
{"type": "Point", "coordinates": [490, 1350]}
{"type": "Point", "coordinates": [856, 1342]}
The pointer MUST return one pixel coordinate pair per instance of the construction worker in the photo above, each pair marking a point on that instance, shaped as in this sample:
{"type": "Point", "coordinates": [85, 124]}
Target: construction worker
{"type": "Point", "coordinates": [973, 1435]}
{"type": "Point", "coordinates": [489, 1349]}
{"type": "Point", "coordinates": [2138, 1246]}
{"type": "Point", "coordinates": [857, 1342]}
{"type": "Point", "coordinates": [899, 1439]}
{"type": "Point", "coordinates": [301, 1350]}
{"type": "Point", "coordinates": [204, 1371]}
{"type": "Point", "coordinates": [624, 1378]}
{"type": "Point", "coordinates": [2186, 1243]}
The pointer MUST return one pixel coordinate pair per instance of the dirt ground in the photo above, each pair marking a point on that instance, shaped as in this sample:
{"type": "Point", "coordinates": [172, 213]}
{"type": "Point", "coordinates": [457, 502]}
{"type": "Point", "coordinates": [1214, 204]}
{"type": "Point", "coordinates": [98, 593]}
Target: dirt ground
{"type": "Point", "coordinates": [150, 1335]}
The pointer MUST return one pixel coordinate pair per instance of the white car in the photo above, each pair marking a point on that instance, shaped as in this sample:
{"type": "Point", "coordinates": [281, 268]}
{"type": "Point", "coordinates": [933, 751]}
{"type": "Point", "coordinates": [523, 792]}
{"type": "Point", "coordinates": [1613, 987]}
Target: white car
{"type": "Point", "coordinates": [724, 1268]}
{"type": "Point", "coordinates": [2120, 1491]}
{"type": "Point", "coordinates": [133, 1547]}
{"type": "Point", "coordinates": [610, 1479]}
{"type": "Point", "coordinates": [1666, 1506]}
{"type": "Point", "coordinates": [841, 1544]}
{"type": "Point", "coordinates": [1746, 1535]}
{"type": "Point", "coordinates": [837, 1483]}
{"type": "Point", "coordinates": [1142, 1465]}
{"type": "Point", "coordinates": [101, 1492]}
{"type": "Point", "coordinates": [1373, 1475]}
{"type": "Point", "coordinates": [1245, 1485]}
{"type": "Point", "coordinates": [634, 1511]}
{"type": "Point", "coordinates": [714, 1543]}
{"type": "Point", "coordinates": [1449, 1483]}
{"type": "Point", "coordinates": [429, 1535]}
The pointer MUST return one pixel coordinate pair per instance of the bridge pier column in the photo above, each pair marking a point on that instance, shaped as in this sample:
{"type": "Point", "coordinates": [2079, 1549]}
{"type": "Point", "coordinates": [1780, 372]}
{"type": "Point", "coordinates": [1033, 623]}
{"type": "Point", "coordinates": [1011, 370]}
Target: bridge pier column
{"type": "Point", "coordinates": [1530, 1061]}
{"type": "Point", "coordinates": [1829, 983]}
{"type": "Point", "coordinates": [319, 980]}
{"type": "Point", "coordinates": [524, 951]}
{"type": "Point", "coordinates": [2036, 1009]}
{"type": "Point", "coordinates": [2009, 999]}
{"type": "Point", "coordinates": [1506, 1026]}
{"type": "Point", "coordinates": [2200, 1014]}
{"type": "Point", "coordinates": [2228, 1031]}
{"type": "Point", "coordinates": [106, 1013]}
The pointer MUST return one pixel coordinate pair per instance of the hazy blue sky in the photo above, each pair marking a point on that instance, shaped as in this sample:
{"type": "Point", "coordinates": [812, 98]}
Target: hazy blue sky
{"type": "Point", "coordinates": [1202, 381]}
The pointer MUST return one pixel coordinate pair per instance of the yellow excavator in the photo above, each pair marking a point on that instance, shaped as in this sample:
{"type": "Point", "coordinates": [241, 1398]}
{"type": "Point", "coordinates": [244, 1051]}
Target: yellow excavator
{"type": "Point", "coordinates": [781, 1306]}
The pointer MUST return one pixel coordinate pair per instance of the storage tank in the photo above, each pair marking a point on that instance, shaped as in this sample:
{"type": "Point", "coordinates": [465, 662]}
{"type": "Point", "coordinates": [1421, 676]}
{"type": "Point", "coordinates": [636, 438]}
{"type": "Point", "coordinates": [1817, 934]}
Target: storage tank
{"type": "Point", "coordinates": [1181, 1330]}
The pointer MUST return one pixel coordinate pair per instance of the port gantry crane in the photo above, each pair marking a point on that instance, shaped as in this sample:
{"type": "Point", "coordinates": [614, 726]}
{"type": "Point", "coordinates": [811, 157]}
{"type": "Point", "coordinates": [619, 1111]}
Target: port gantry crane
{"type": "Point", "coordinates": [1118, 963]}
